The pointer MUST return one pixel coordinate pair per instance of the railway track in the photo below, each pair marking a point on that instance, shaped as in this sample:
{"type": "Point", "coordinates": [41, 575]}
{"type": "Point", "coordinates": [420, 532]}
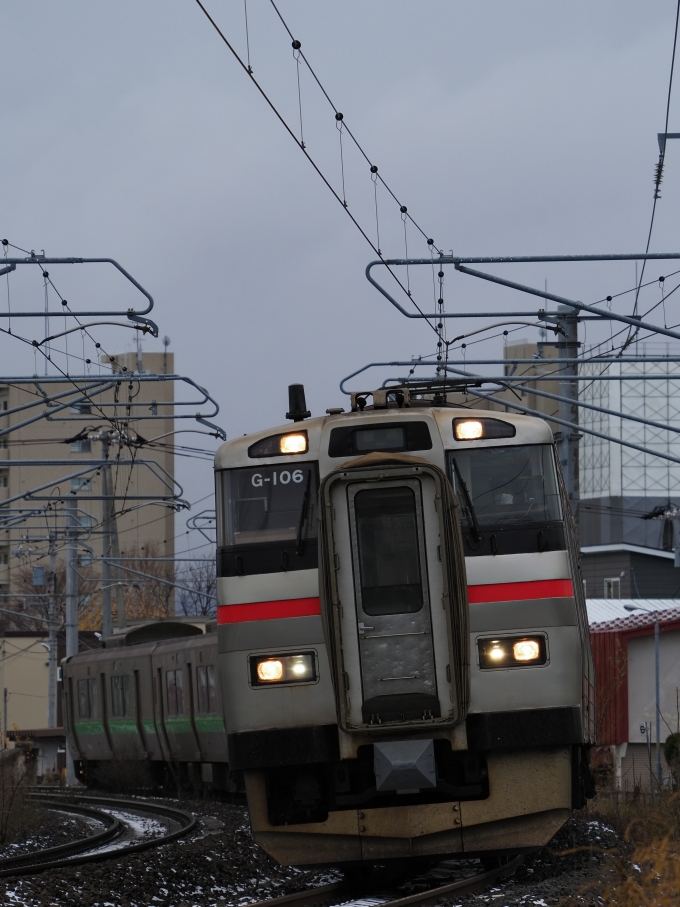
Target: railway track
{"type": "Point", "coordinates": [342, 893]}
{"type": "Point", "coordinates": [118, 837]}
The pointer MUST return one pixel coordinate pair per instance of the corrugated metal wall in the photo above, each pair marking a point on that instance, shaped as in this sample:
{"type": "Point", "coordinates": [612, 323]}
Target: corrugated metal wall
{"type": "Point", "coordinates": [610, 654]}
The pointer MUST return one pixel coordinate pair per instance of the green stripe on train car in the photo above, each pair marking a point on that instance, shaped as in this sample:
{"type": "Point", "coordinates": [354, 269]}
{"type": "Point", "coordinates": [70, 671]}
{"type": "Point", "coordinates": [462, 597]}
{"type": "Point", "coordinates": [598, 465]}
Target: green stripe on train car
{"type": "Point", "coordinates": [149, 725]}
{"type": "Point", "coordinates": [86, 728]}
{"type": "Point", "coordinates": [210, 724]}
{"type": "Point", "coordinates": [178, 725]}
{"type": "Point", "coordinates": [123, 726]}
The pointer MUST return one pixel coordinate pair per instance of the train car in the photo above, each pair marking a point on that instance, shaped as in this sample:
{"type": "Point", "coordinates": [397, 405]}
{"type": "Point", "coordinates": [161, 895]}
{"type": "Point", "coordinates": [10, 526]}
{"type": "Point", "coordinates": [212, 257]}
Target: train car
{"type": "Point", "coordinates": [150, 693]}
{"type": "Point", "coordinates": [403, 648]}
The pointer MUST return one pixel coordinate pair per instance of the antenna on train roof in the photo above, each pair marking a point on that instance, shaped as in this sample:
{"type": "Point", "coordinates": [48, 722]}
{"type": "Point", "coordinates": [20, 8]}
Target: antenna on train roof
{"type": "Point", "coordinates": [296, 403]}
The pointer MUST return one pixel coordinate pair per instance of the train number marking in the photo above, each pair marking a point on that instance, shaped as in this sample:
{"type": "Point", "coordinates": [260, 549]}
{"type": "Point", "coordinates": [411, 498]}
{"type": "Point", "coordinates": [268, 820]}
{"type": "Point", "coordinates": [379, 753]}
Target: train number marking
{"type": "Point", "coordinates": [281, 478]}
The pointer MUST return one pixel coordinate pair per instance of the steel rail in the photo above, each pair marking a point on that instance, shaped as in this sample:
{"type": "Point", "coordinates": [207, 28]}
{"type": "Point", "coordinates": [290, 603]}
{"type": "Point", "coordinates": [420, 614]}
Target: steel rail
{"type": "Point", "coordinates": [339, 892]}
{"type": "Point", "coordinates": [26, 862]}
{"type": "Point", "coordinates": [72, 854]}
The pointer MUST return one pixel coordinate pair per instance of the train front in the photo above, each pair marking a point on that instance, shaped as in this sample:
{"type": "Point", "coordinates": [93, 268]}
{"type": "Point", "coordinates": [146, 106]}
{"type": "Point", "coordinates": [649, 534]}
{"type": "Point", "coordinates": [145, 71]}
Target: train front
{"type": "Point", "coordinates": [405, 668]}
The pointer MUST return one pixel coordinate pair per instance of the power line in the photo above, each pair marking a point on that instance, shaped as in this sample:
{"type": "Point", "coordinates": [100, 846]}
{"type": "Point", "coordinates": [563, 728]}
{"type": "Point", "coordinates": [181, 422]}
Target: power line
{"type": "Point", "coordinates": [301, 145]}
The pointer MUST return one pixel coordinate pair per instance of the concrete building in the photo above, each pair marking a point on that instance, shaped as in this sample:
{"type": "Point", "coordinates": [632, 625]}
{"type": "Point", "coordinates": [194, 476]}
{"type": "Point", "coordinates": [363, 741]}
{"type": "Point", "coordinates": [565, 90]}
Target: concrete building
{"type": "Point", "coordinates": [629, 572]}
{"type": "Point", "coordinates": [629, 497]}
{"type": "Point", "coordinates": [63, 435]}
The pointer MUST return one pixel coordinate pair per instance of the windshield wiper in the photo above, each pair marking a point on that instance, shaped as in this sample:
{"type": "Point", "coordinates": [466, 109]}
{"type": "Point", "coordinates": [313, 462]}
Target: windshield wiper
{"type": "Point", "coordinates": [468, 502]}
{"type": "Point", "coordinates": [303, 515]}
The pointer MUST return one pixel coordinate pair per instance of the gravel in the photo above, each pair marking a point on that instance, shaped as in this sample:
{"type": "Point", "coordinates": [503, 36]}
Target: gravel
{"type": "Point", "coordinates": [53, 828]}
{"type": "Point", "coordinates": [578, 857]}
{"type": "Point", "coordinates": [217, 865]}
{"type": "Point", "coordinates": [220, 865]}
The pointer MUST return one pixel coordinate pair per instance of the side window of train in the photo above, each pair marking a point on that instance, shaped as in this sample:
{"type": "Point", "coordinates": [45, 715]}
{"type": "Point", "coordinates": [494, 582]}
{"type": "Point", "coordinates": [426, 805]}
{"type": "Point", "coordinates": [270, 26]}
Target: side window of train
{"type": "Point", "coordinates": [88, 698]}
{"type": "Point", "coordinates": [206, 690]}
{"type": "Point", "coordinates": [175, 691]}
{"type": "Point", "coordinates": [121, 696]}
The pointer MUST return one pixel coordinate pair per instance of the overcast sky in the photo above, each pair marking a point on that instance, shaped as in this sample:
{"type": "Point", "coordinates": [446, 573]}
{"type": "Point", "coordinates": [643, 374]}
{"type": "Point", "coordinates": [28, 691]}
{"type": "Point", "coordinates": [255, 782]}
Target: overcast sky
{"type": "Point", "coordinates": [129, 131]}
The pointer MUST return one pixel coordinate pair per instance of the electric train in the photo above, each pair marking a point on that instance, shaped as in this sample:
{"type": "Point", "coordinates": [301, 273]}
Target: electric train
{"type": "Point", "coordinates": [401, 665]}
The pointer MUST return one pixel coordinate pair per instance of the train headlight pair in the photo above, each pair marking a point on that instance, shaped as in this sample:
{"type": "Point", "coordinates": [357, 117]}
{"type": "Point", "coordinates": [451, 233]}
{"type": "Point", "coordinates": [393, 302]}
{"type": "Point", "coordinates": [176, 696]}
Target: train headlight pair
{"type": "Point", "coordinates": [266, 670]}
{"type": "Point", "coordinates": [512, 651]}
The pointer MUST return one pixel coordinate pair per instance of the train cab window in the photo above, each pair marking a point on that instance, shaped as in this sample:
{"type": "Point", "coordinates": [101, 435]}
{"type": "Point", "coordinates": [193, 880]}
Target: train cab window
{"type": "Point", "coordinates": [389, 559]}
{"type": "Point", "coordinates": [175, 692]}
{"type": "Point", "coordinates": [269, 504]}
{"type": "Point", "coordinates": [88, 698]}
{"type": "Point", "coordinates": [121, 696]}
{"type": "Point", "coordinates": [205, 688]}
{"type": "Point", "coordinates": [514, 494]}
{"type": "Point", "coordinates": [266, 519]}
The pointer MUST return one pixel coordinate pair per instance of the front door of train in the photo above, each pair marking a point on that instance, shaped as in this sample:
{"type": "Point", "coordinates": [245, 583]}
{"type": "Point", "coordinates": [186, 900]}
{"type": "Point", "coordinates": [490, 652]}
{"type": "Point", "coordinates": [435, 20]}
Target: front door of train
{"type": "Point", "coordinates": [386, 596]}
{"type": "Point", "coordinates": [393, 616]}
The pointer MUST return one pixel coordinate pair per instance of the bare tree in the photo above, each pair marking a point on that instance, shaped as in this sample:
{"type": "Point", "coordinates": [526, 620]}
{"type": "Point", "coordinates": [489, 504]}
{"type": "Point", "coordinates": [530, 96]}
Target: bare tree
{"type": "Point", "coordinates": [33, 600]}
{"type": "Point", "coordinates": [150, 595]}
{"type": "Point", "coordinates": [199, 598]}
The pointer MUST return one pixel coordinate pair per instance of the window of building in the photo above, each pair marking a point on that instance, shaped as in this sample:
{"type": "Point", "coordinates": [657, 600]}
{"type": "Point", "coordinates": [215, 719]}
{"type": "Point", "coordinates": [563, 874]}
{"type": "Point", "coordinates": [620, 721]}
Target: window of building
{"type": "Point", "coordinates": [175, 692]}
{"type": "Point", "coordinates": [3, 405]}
{"type": "Point", "coordinates": [88, 698]}
{"type": "Point", "coordinates": [82, 445]}
{"type": "Point", "coordinates": [80, 484]}
{"type": "Point", "coordinates": [4, 478]}
{"type": "Point", "coordinates": [612, 587]}
{"type": "Point", "coordinates": [4, 557]}
{"type": "Point", "coordinates": [82, 408]}
{"type": "Point", "coordinates": [121, 696]}
{"type": "Point", "coordinates": [84, 520]}
{"type": "Point", "coordinates": [206, 690]}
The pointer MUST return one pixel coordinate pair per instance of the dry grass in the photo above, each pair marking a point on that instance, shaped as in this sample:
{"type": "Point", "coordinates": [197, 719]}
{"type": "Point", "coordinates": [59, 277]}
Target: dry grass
{"type": "Point", "coordinates": [646, 870]}
{"type": "Point", "coordinates": [18, 813]}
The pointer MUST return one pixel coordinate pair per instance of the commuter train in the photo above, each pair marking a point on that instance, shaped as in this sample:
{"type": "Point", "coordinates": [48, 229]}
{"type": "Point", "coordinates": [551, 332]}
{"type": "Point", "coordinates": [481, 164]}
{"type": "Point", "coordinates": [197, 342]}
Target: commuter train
{"type": "Point", "coordinates": [401, 664]}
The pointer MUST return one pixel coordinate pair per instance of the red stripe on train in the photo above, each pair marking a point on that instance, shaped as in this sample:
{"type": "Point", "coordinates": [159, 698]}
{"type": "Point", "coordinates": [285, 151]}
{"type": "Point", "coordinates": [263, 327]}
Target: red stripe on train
{"type": "Point", "coordinates": [290, 607]}
{"type": "Point", "coordinates": [305, 607]}
{"type": "Point", "coordinates": [510, 592]}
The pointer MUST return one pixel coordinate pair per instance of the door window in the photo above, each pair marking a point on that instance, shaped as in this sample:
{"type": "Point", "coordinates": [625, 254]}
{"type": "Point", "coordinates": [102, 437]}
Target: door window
{"type": "Point", "coordinates": [121, 696]}
{"type": "Point", "coordinates": [88, 698]}
{"type": "Point", "coordinates": [205, 688]}
{"type": "Point", "coordinates": [175, 692]}
{"type": "Point", "coordinates": [389, 559]}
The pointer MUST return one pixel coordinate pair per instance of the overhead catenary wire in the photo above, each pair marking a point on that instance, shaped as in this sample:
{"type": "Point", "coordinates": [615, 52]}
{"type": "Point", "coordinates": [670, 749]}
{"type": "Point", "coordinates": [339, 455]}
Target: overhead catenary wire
{"type": "Point", "coordinates": [305, 150]}
{"type": "Point", "coordinates": [662, 155]}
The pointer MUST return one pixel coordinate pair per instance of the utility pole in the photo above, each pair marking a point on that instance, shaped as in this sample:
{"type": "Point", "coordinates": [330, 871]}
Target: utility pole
{"type": "Point", "coordinates": [52, 637]}
{"type": "Point", "coordinates": [71, 607]}
{"type": "Point", "coordinates": [110, 549]}
{"type": "Point", "coordinates": [120, 591]}
{"type": "Point", "coordinates": [567, 439]}
{"type": "Point", "coordinates": [71, 579]}
{"type": "Point", "coordinates": [107, 620]}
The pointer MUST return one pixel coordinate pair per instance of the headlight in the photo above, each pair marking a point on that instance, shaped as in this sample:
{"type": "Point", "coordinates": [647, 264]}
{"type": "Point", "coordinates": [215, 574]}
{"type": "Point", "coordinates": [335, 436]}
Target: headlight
{"type": "Point", "coordinates": [292, 444]}
{"type": "Point", "coordinates": [512, 651]}
{"type": "Point", "coordinates": [468, 430]}
{"type": "Point", "coordinates": [473, 429]}
{"type": "Point", "coordinates": [270, 669]}
{"type": "Point", "coordinates": [295, 442]}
